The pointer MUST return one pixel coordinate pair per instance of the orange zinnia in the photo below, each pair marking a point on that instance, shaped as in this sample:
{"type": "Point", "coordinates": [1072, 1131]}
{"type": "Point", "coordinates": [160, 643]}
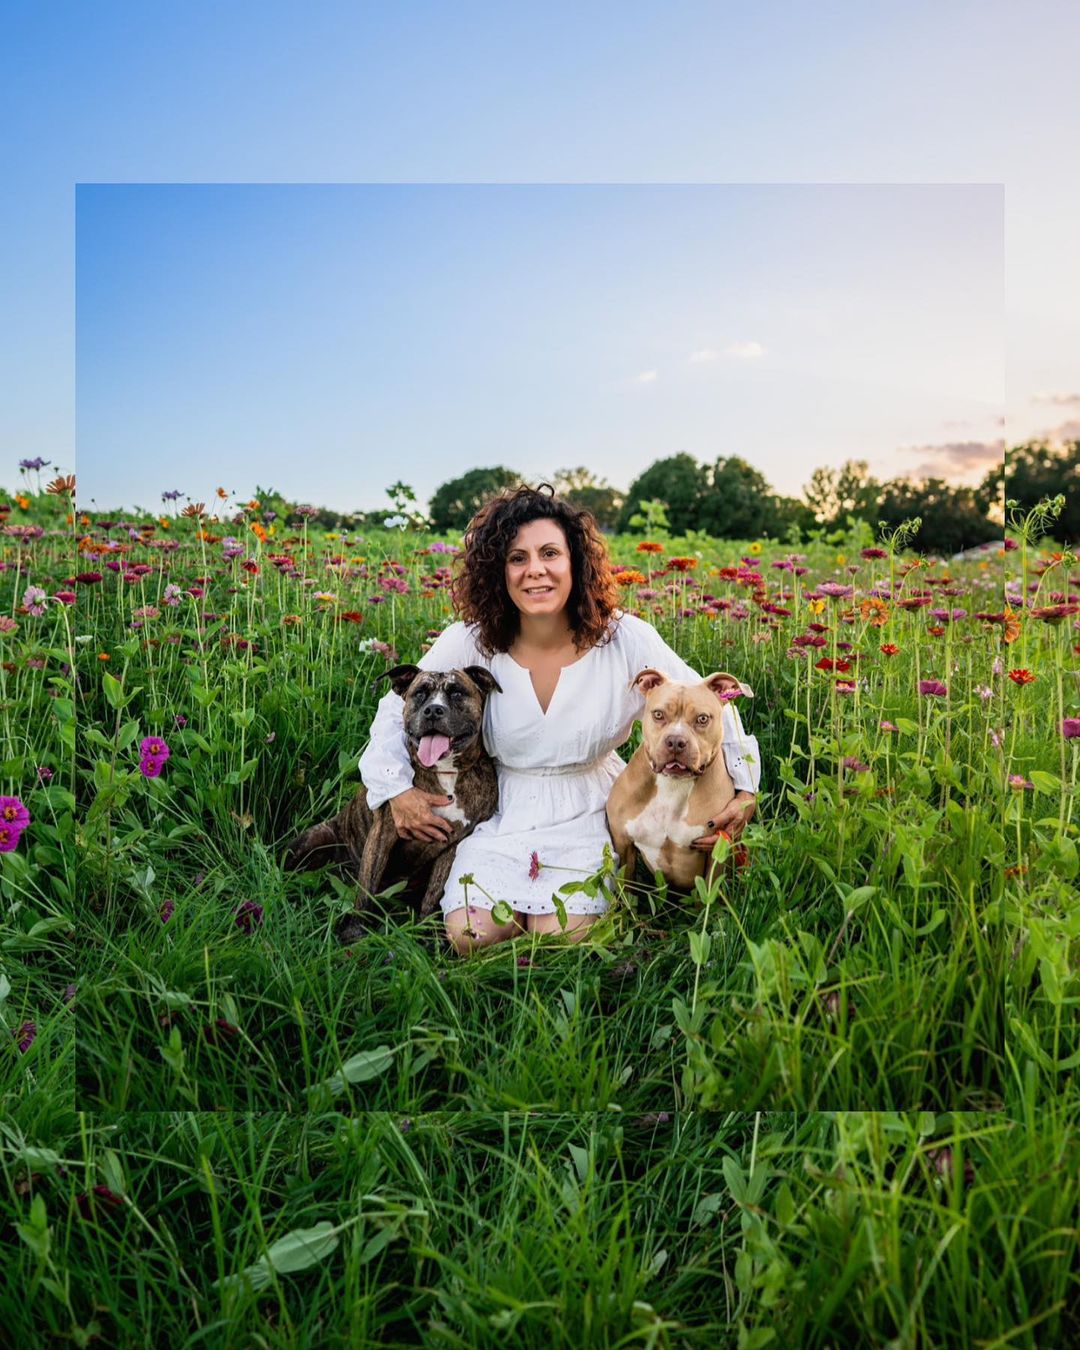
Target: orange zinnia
{"type": "Point", "coordinates": [875, 611]}
{"type": "Point", "coordinates": [648, 547]}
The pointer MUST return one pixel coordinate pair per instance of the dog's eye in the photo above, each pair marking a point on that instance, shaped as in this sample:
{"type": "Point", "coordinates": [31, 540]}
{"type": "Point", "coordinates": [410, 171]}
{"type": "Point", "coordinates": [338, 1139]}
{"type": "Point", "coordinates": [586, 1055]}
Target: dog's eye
{"type": "Point", "coordinates": [703, 719]}
{"type": "Point", "coordinates": [658, 716]}
{"type": "Point", "coordinates": [455, 694]}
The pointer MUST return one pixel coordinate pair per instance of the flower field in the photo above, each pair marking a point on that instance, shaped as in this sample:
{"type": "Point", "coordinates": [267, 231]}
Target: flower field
{"type": "Point", "coordinates": [841, 1076]}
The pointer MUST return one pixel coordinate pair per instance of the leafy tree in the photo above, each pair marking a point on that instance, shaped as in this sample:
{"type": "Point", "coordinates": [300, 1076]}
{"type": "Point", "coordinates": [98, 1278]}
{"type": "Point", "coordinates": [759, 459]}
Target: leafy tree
{"type": "Point", "coordinates": [1036, 470]}
{"type": "Point", "coordinates": [952, 517]}
{"type": "Point", "coordinates": [588, 492]}
{"type": "Point", "coordinates": [678, 481]}
{"type": "Point", "coordinates": [833, 494]}
{"type": "Point", "coordinates": [738, 503]}
{"type": "Point", "coordinates": [456, 502]}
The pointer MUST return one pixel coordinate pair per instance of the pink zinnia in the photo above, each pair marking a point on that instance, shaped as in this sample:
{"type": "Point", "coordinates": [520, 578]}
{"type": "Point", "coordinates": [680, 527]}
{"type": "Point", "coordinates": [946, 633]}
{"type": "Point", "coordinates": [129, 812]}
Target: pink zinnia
{"type": "Point", "coordinates": [534, 866]}
{"type": "Point", "coordinates": [888, 726]}
{"type": "Point", "coordinates": [14, 814]}
{"type": "Point", "coordinates": [933, 688]}
{"type": "Point", "coordinates": [1070, 728]}
{"type": "Point", "coordinates": [153, 752]}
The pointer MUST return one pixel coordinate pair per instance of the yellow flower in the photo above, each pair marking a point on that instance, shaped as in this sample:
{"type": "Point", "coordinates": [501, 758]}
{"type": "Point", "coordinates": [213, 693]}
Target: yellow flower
{"type": "Point", "coordinates": [755, 548]}
{"type": "Point", "coordinates": [331, 535]}
{"type": "Point", "coordinates": [816, 606]}
{"type": "Point", "coordinates": [841, 559]}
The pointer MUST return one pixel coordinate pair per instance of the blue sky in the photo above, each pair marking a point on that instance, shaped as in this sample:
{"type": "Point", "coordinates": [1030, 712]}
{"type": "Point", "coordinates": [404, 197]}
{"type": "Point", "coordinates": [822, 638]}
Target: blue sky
{"type": "Point", "coordinates": [328, 340]}
{"type": "Point", "coordinates": [779, 92]}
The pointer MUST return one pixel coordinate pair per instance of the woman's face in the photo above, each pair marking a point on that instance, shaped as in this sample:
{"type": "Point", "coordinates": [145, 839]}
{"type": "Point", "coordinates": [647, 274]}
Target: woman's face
{"type": "Point", "coordinates": [538, 576]}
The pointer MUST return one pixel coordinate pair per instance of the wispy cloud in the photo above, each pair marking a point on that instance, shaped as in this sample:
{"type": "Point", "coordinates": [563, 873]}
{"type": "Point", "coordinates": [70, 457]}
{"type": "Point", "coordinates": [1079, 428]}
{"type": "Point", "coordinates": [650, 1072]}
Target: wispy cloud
{"type": "Point", "coordinates": [646, 377]}
{"type": "Point", "coordinates": [955, 459]}
{"type": "Point", "coordinates": [743, 351]}
{"type": "Point", "coordinates": [1059, 400]}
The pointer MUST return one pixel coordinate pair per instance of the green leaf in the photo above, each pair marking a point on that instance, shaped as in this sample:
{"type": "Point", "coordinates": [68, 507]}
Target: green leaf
{"type": "Point", "coordinates": [114, 690]}
{"type": "Point", "coordinates": [501, 912]}
{"type": "Point", "coordinates": [361, 1068]}
{"type": "Point", "coordinates": [700, 946]}
{"type": "Point", "coordinates": [1045, 782]}
{"type": "Point", "coordinates": [785, 1206]}
{"type": "Point", "coordinates": [302, 1248]}
{"type": "Point", "coordinates": [735, 1178]}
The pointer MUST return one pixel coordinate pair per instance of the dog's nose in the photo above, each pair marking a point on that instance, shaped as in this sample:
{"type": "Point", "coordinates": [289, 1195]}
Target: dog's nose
{"type": "Point", "coordinates": [676, 744]}
{"type": "Point", "coordinates": [436, 710]}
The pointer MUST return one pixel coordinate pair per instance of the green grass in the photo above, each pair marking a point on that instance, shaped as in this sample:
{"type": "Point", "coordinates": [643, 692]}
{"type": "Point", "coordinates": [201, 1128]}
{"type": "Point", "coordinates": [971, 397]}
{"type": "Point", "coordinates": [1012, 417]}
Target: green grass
{"type": "Point", "coordinates": [596, 1229]}
{"type": "Point", "coordinates": [718, 1121]}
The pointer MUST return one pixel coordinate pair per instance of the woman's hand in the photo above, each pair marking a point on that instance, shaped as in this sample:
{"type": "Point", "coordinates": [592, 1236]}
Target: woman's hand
{"type": "Point", "coordinates": [732, 820]}
{"type": "Point", "coordinates": [414, 818]}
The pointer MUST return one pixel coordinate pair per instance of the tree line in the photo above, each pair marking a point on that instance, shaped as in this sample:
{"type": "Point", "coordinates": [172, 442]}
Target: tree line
{"type": "Point", "coordinates": [730, 499]}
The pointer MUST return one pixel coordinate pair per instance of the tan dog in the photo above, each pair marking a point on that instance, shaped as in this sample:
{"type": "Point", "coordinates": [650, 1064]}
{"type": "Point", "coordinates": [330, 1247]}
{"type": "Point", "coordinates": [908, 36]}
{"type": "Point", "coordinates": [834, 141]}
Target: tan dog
{"type": "Point", "coordinates": [677, 780]}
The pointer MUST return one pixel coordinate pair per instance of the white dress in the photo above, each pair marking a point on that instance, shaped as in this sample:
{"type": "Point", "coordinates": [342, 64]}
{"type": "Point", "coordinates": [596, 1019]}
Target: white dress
{"type": "Point", "coordinates": [555, 769]}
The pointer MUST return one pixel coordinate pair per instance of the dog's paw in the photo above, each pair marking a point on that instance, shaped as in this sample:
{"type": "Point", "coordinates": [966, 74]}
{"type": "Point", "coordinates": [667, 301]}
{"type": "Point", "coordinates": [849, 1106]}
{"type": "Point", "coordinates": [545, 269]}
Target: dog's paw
{"type": "Point", "coordinates": [349, 928]}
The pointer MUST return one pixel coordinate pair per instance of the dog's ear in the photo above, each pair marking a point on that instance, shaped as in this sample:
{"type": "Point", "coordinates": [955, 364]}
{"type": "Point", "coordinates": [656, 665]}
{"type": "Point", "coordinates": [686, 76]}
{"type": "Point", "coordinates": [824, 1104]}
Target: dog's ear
{"type": "Point", "coordinates": [400, 678]}
{"type": "Point", "coordinates": [648, 679]}
{"type": "Point", "coordinates": [483, 679]}
{"type": "Point", "coordinates": [722, 683]}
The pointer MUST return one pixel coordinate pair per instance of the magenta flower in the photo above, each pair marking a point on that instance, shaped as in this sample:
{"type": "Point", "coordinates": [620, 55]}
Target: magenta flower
{"type": "Point", "coordinates": [69, 993]}
{"type": "Point", "coordinates": [933, 688]}
{"type": "Point", "coordinates": [1019, 782]}
{"type": "Point", "coordinates": [25, 1035]}
{"type": "Point", "coordinates": [856, 765]}
{"type": "Point", "coordinates": [153, 752]}
{"type": "Point", "coordinates": [14, 814]}
{"type": "Point", "coordinates": [249, 916]}
{"type": "Point", "coordinates": [1070, 728]}
{"type": "Point", "coordinates": [166, 911]}
{"type": "Point", "coordinates": [44, 773]}
{"type": "Point", "coordinates": [9, 839]}
{"type": "Point", "coordinates": [869, 553]}
{"type": "Point", "coordinates": [834, 590]}
{"type": "Point", "coordinates": [534, 866]}
{"type": "Point", "coordinates": [888, 726]}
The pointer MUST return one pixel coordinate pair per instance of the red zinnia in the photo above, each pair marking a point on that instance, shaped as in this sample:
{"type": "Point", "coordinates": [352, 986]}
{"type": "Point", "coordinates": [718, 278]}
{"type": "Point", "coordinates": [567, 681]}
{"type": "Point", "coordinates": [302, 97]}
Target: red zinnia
{"type": "Point", "coordinates": [1021, 676]}
{"type": "Point", "coordinates": [889, 648]}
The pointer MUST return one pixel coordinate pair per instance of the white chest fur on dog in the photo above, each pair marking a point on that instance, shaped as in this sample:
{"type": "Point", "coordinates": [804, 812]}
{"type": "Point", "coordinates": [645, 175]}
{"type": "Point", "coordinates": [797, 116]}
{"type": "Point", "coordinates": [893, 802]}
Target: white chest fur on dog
{"type": "Point", "coordinates": [664, 819]}
{"type": "Point", "coordinates": [447, 773]}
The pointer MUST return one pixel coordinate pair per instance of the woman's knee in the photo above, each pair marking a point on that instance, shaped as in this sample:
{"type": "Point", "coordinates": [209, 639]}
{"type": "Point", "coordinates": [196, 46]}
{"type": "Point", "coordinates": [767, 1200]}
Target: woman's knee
{"type": "Point", "coordinates": [472, 926]}
{"type": "Point", "coordinates": [577, 925]}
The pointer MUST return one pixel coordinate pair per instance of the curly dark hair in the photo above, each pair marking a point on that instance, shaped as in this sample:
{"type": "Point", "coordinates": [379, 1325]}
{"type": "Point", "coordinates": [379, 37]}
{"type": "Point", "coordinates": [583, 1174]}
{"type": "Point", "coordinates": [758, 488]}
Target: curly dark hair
{"type": "Point", "coordinates": [479, 587]}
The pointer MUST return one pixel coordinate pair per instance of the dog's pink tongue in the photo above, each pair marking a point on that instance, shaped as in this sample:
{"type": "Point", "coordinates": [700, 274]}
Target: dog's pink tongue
{"type": "Point", "coordinates": [432, 749]}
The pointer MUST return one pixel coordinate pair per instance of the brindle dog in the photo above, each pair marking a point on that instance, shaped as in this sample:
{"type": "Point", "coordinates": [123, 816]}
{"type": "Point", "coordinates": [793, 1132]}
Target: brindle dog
{"type": "Point", "coordinates": [444, 714]}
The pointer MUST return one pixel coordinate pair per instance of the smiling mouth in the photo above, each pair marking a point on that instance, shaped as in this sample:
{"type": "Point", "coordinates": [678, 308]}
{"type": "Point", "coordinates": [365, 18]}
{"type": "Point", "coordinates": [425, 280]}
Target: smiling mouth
{"type": "Point", "coordinates": [539, 590]}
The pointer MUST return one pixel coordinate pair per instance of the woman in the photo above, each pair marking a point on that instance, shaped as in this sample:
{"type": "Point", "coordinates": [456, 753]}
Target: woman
{"type": "Point", "coordinates": [538, 606]}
